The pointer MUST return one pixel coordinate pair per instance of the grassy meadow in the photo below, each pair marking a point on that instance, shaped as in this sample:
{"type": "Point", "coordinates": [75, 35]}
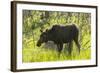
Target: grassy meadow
{"type": "Point", "coordinates": [39, 54]}
{"type": "Point", "coordinates": [34, 21]}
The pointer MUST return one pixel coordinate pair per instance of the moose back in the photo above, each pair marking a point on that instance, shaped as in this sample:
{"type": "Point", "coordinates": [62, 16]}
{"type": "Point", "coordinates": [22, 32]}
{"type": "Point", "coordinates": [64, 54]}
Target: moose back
{"type": "Point", "coordinates": [60, 35]}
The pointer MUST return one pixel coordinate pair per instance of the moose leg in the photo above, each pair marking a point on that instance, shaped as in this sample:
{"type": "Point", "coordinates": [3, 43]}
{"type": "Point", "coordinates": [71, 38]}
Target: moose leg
{"type": "Point", "coordinates": [70, 48]}
{"type": "Point", "coordinates": [77, 43]}
{"type": "Point", "coordinates": [60, 46]}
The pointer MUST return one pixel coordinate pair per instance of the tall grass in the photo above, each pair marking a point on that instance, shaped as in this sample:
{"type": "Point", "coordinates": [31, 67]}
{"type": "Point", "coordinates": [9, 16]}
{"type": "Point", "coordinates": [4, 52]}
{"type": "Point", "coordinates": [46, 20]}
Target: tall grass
{"type": "Point", "coordinates": [40, 54]}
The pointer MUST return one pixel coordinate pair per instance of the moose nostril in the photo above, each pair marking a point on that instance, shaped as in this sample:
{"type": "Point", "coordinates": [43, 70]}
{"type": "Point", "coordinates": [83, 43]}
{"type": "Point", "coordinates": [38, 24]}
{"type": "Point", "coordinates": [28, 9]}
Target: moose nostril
{"type": "Point", "coordinates": [38, 45]}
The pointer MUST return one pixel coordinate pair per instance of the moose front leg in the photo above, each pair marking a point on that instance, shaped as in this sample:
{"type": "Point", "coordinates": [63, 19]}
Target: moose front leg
{"type": "Point", "coordinates": [60, 46]}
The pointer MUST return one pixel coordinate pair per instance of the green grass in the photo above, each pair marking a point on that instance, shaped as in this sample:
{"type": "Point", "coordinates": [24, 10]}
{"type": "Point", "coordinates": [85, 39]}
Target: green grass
{"type": "Point", "coordinates": [38, 54]}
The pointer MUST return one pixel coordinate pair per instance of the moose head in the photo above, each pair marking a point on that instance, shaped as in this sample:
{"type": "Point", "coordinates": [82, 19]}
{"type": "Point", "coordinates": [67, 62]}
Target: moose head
{"type": "Point", "coordinates": [43, 38]}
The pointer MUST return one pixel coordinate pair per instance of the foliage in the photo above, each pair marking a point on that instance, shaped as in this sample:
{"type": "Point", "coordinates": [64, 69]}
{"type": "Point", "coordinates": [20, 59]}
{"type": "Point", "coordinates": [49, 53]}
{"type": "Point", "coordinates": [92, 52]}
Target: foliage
{"type": "Point", "coordinates": [34, 21]}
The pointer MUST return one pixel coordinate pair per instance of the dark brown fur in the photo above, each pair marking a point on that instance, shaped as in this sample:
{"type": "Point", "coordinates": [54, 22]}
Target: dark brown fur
{"type": "Point", "coordinates": [60, 35]}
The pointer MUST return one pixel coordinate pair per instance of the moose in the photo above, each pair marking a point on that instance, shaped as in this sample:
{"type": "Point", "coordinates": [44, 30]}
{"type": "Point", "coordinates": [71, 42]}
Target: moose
{"type": "Point", "coordinates": [59, 35]}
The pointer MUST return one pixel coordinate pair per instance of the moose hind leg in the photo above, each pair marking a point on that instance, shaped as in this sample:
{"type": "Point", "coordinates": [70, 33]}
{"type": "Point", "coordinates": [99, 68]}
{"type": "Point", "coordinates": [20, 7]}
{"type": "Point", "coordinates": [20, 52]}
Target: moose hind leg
{"type": "Point", "coordinates": [70, 48]}
{"type": "Point", "coordinates": [77, 43]}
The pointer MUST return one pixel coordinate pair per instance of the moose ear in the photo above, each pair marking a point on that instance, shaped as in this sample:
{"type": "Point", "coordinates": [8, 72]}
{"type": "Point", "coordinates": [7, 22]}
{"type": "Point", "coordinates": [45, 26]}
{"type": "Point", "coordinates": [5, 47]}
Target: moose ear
{"type": "Point", "coordinates": [41, 30]}
{"type": "Point", "coordinates": [46, 30]}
